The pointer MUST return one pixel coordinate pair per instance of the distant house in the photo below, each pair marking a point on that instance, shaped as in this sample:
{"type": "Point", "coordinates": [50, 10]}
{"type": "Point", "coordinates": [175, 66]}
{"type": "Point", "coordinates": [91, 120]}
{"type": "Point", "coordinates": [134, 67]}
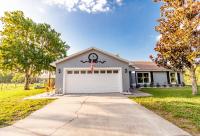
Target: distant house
{"type": "Point", "coordinates": [96, 71]}
{"type": "Point", "coordinates": [46, 74]}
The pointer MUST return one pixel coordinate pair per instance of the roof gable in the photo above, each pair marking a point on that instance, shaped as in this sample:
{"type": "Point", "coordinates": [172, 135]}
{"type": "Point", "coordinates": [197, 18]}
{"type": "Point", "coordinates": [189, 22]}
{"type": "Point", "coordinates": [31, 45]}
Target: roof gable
{"type": "Point", "coordinates": [88, 50]}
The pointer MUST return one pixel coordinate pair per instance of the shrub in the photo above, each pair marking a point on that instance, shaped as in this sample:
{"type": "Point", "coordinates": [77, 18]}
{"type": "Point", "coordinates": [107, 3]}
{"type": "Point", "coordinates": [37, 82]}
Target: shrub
{"type": "Point", "coordinates": [138, 86]}
{"type": "Point", "coordinates": [157, 85]}
{"type": "Point", "coordinates": [152, 84]}
{"type": "Point", "coordinates": [183, 84]}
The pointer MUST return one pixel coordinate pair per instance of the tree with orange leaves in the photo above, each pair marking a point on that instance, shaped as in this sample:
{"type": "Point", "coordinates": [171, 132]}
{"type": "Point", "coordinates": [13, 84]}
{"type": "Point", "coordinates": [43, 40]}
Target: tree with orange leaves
{"type": "Point", "coordinates": [179, 45]}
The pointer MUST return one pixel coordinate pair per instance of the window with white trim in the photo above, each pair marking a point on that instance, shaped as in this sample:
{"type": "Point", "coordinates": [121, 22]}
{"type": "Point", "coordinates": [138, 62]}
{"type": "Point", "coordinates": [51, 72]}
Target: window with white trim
{"type": "Point", "coordinates": [109, 71]}
{"type": "Point", "coordinates": [69, 72]}
{"type": "Point", "coordinates": [143, 78]}
{"type": "Point", "coordinates": [83, 72]}
{"type": "Point", "coordinates": [173, 78]}
{"type": "Point", "coordinates": [115, 71]}
{"type": "Point", "coordinates": [96, 72]}
{"type": "Point", "coordinates": [102, 71]}
{"type": "Point", "coordinates": [76, 72]}
{"type": "Point", "coordinates": [89, 72]}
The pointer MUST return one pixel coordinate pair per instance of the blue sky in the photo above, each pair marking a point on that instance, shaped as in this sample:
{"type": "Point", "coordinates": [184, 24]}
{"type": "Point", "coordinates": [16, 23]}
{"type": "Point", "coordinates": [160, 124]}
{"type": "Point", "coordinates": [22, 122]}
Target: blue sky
{"type": "Point", "coordinates": [124, 27]}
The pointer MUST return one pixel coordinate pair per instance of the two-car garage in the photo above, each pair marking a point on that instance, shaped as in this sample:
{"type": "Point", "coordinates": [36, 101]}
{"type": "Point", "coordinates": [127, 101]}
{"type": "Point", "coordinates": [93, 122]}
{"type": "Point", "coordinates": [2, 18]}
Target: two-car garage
{"type": "Point", "coordinates": [92, 71]}
{"type": "Point", "coordinates": [99, 80]}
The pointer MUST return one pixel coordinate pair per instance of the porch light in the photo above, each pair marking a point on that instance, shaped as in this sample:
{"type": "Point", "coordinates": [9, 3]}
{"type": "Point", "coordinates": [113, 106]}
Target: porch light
{"type": "Point", "coordinates": [125, 70]}
{"type": "Point", "coordinates": [59, 70]}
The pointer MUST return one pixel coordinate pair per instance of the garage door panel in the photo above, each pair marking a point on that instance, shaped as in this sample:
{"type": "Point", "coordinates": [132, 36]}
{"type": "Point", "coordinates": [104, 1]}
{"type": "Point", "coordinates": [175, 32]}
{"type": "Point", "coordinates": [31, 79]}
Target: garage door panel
{"type": "Point", "coordinates": [93, 83]}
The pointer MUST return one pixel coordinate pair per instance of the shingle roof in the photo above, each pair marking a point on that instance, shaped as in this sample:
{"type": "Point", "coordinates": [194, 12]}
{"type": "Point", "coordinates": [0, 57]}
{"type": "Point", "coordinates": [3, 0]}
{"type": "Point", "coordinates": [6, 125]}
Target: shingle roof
{"type": "Point", "coordinates": [146, 66]}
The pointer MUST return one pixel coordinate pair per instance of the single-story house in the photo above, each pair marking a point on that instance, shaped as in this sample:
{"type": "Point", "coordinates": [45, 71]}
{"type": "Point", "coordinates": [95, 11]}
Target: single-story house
{"type": "Point", "coordinates": [96, 71]}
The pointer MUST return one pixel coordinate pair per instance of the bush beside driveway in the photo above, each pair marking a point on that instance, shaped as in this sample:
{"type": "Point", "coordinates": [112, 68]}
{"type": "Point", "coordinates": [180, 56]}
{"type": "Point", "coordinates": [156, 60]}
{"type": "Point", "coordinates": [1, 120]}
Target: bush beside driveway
{"type": "Point", "coordinates": [176, 105]}
{"type": "Point", "coordinates": [13, 107]}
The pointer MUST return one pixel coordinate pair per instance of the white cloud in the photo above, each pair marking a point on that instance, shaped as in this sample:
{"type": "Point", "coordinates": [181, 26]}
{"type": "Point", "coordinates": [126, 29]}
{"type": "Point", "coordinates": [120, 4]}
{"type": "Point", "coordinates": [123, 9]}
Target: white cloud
{"type": "Point", "coordinates": [119, 2]}
{"type": "Point", "coordinates": [101, 5]}
{"type": "Point", "coordinates": [90, 6]}
{"type": "Point", "coordinates": [83, 7]}
{"type": "Point", "coordinates": [68, 4]}
{"type": "Point", "coordinates": [158, 37]}
{"type": "Point", "coordinates": [32, 9]}
{"type": "Point", "coordinates": [41, 10]}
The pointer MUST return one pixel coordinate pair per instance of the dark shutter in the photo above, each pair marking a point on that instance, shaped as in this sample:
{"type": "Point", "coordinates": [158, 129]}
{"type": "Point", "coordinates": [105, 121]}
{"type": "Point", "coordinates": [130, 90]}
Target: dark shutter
{"type": "Point", "coordinates": [168, 78]}
{"type": "Point", "coordinates": [179, 78]}
{"type": "Point", "coordinates": [136, 81]}
{"type": "Point", "coordinates": [152, 80]}
{"type": "Point", "coordinates": [130, 79]}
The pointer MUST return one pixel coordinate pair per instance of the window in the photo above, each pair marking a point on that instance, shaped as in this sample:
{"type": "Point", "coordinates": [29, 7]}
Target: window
{"type": "Point", "coordinates": [143, 78]}
{"type": "Point", "coordinates": [69, 72]}
{"type": "Point", "coordinates": [76, 72]}
{"type": "Point", "coordinates": [115, 71]}
{"type": "Point", "coordinates": [83, 72]}
{"type": "Point", "coordinates": [109, 71]}
{"type": "Point", "coordinates": [89, 72]}
{"type": "Point", "coordinates": [102, 71]}
{"type": "Point", "coordinates": [96, 72]}
{"type": "Point", "coordinates": [173, 78]}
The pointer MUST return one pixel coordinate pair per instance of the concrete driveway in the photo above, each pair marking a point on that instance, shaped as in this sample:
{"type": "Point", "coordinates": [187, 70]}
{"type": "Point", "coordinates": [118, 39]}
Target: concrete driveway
{"type": "Point", "coordinates": [93, 115]}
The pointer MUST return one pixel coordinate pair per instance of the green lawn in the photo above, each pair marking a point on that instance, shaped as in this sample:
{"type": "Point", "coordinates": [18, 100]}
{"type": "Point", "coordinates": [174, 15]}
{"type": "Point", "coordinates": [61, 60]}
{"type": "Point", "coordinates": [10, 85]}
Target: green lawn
{"type": "Point", "coordinates": [12, 105]}
{"type": "Point", "coordinates": [176, 105]}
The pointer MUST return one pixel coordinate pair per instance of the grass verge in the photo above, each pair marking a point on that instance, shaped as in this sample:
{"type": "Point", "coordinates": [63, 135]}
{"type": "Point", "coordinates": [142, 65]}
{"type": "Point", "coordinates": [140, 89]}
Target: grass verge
{"type": "Point", "coordinates": [176, 105]}
{"type": "Point", "coordinates": [13, 107]}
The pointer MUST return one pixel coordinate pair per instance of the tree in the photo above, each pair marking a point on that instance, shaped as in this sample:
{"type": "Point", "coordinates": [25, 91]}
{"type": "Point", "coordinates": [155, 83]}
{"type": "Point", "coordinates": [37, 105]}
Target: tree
{"type": "Point", "coordinates": [5, 76]}
{"type": "Point", "coordinates": [18, 78]}
{"type": "Point", "coordinates": [187, 77]}
{"type": "Point", "coordinates": [179, 45]}
{"type": "Point", "coordinates": [28, 47]}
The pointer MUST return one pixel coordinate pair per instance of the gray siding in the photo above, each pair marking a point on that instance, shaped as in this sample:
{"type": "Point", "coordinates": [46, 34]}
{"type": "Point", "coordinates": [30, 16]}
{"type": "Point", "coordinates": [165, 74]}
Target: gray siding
{"type": "Point", "coordinates": [182, 78]}
{"type": "Point", "coordinates": [75, 63]}
{"type": "Point", "coordinates": [133, 76]}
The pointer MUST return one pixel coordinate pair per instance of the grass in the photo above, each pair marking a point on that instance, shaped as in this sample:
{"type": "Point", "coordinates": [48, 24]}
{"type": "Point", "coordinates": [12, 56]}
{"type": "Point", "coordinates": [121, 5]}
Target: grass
{"type": "Point", "coordinates": [176, 105]}
{"type": "Point", "coordinates": [12, 105]}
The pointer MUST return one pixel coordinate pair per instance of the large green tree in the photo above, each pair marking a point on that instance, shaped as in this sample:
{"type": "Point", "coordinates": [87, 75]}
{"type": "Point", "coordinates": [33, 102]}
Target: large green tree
{"type": "Point", "coordinates": [179, 45]}
{"type": "Point", "coordinates": [28, 47]}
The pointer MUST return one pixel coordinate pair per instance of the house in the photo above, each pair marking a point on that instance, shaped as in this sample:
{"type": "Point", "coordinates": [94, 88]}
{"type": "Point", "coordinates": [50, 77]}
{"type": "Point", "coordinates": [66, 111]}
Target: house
{"type": "Point", "coordinates": [96, 71]}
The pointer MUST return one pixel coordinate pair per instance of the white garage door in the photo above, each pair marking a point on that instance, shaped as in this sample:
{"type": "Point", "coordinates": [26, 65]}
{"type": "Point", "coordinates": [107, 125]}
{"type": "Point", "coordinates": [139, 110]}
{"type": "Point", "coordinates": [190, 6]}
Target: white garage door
{"type": "Point", "coordinates": [98, 81]}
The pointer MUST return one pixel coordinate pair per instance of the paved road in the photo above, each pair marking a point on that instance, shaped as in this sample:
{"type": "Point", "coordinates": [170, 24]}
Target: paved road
{"type": "Point", "coordinates": [93, 115]}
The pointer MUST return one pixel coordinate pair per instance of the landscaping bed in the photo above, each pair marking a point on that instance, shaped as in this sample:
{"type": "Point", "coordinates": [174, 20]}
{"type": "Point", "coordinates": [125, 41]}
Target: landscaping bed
{"type": "Point", "coordinates": [13, 107]}
{"type": "Point", "coordinates": [176, 105]}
